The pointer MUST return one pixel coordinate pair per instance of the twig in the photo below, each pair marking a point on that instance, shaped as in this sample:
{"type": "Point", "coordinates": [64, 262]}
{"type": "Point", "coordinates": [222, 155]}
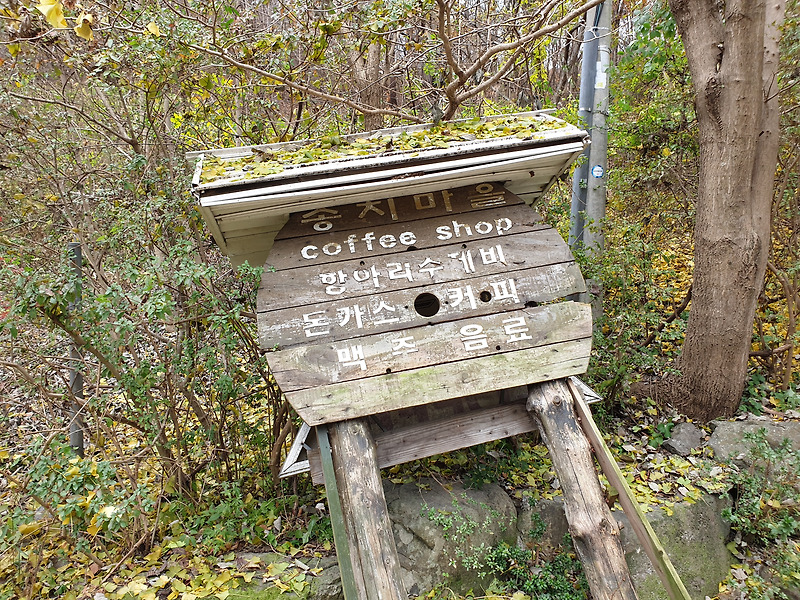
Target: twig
{"type": "Point", "coordinates": [675, 314]}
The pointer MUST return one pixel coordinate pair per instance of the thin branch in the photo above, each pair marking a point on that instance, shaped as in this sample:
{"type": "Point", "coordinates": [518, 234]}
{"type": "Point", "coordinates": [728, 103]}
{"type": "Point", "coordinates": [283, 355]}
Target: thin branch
{"type": "Point", "coordinates": [515, 45]}
{"type": "Point", "coordinates": [80, 111]}
{"type": "Point", "coordinates": [304, 88]}
{"type": "Point", "coordinates": [675, 314]}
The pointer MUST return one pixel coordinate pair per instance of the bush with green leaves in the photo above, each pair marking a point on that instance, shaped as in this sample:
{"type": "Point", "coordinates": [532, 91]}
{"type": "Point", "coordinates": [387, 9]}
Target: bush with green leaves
{"type": "Point", "coordinates": [767, 494]}
{"type": "Point", "coordinates": [517, 569]}
{"type": "Point", "coordinates": [766, 515]}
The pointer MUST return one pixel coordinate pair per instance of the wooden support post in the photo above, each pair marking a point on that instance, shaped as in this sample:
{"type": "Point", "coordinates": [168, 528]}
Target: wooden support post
{"type": "Point", "coordinates": [593, 528]}
{"type": "Point", "coordinates": [337, 516]}
{"type": "Point", "coordinates": [373, 553]}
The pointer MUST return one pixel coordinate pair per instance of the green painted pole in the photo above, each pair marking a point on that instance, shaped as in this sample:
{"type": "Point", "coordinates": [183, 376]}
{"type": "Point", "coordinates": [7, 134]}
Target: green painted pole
{"type": "Point", "coordinates": [337, 516]}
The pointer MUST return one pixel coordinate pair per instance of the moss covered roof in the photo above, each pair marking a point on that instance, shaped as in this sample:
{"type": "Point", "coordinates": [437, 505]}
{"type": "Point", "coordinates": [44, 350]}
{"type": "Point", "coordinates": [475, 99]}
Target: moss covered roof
{"type": "Point", "coordinates": [262, 161]}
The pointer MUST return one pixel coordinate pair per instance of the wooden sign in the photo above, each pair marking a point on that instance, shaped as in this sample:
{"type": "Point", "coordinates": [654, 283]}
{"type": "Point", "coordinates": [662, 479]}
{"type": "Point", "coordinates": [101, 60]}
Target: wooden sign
{"type": "Point", "coordinates": [382, 305]}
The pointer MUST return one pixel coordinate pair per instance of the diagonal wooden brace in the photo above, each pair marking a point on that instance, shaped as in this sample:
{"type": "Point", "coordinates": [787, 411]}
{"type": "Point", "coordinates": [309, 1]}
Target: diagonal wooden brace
{"type": "Point", "coordinates": [593, 528]}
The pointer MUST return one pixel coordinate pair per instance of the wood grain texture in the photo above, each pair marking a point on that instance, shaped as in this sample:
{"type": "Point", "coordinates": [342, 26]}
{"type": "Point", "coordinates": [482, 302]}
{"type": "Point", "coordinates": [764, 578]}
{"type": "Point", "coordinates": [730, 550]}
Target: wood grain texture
{"type": "Point", "coordinates": [451, 262]}
{"type": "Point", "coordinates": [420, 440]}
{"type": "Point", "coordinates": [593, 528]}
{"type": "Point", "coordinates": [314, 365]}
{"type": "Point", "coordinates": [641, 527]}
{"type": "Point", "coordinates": [373, 552]}
{"type": "Point", "coordinates": [399, 302]}
{"type": "Point", "coordinates": [469, 297]}
{"type": "Point", "coordinates": [400, 209]}
{"type": "Point", "coordinates": [351, 399]}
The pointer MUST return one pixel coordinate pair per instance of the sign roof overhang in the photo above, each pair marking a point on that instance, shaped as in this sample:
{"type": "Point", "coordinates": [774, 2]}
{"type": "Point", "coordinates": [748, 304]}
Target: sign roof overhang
{"type": "Point", "coordinates": [244, 215]}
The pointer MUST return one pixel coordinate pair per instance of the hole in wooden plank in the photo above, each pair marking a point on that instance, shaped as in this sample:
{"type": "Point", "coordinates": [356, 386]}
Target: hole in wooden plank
{"type": "Point", "coordinates": [411, 248]}
{"type": "Point", "coordinates": [497, 347]}
{"type": "Point", "coordinates": [485, 296]}
{"type": "Point", "coordinates": [388, 370]}
{"type": "Point", "coordinates": [426, 304]}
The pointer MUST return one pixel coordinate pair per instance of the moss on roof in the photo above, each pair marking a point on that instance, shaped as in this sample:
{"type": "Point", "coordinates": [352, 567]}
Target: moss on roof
{"type": "Point", "coordinates": [264, 161]}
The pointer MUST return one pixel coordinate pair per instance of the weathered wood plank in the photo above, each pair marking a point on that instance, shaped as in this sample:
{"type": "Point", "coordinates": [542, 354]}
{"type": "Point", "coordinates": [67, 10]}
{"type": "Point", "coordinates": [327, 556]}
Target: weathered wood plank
{"type": "Point", "coordinates": [372, 242]}
{"type": "Point", "coordinates": [400, 209]}
{"type": "Point", "coordinates": [304, 200]}
{"type": "Point", "coordinates": [447, 263]}
{"type": "Point", "coordinates": [402, 309]}
{"type": "Point", "coordinates": [373, 552]}
{"type": "Point", "coordinates": [347, 400]}
{"type": "Point", "coordinates": [313, 365]}
{"type": "Point", "coordinates": [421, 440]}
{"type": "Point", "coordinates": [593, 528]}
{"type": "Point", "coordinates": [350, 586]}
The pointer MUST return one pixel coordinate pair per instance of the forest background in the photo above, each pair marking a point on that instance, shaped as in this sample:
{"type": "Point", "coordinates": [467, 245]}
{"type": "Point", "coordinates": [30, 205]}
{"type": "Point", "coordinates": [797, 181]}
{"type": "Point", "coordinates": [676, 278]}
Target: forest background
{"type": "Point", "coordinates": [185, 429]}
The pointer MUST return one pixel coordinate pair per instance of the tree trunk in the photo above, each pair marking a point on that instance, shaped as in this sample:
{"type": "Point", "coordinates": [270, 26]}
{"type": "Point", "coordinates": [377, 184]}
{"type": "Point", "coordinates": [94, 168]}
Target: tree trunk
{"type": "Point", "coordinates": [367, 74]}
{"type": "Point", "coordinates": [732, 55]}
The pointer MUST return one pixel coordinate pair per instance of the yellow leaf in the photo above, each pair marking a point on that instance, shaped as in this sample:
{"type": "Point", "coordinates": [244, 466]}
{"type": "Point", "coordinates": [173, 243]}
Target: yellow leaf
{"type": "Point", "coordinates": [137, 586]}
{"type": "Point", "coordinates": [53, 12]}
{"type": "Point", "coordinates": [222, 595]}
{"type": "Point", "coordinates": [93, 528]}
{"type": "Point", "coordinates": [153, 28]}
{"type": "Point", "coordinates": [13, 49]}
{"type": "Point", "coordinates": [72, 471]}
{"type": "Point", "coordinates": [30, 528]}
{"type": "Point", "coordinates": [274, 569]}
{"type": "Point", "coordinates": [4, 455]}
{"type": "Point", "coordinates": [84, 27]}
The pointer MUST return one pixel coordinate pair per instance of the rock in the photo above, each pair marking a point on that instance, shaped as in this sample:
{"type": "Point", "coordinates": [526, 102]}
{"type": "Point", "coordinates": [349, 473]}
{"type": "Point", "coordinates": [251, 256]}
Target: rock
{"type": "Point", "coordinates": [694, 538]}
{"type": "Point", "coordinates": [326, 585]}
{"type": "Point", "coordinates": [441, 530]}
{"type": "Point", "coordinates": [685, 438]}
{"type": "Point", "coordinates": [729, 443]}
{"type": "Point", "coordinates": [551, 512]}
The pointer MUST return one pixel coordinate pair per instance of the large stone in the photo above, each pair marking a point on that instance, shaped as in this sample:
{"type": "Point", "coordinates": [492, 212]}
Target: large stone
{"type": "Point", "coordinates": [324, 579]}
{"type": "Point", "coordinates": [442, 531]}
{"type": "Point", "coordinates": [551, 513]}
{"type": "Point", "coordinates": [685, 437]}
{"type": "Point", "coordinates": [693, 536]}
{"type": "Point", "coordinates": [729, 443]}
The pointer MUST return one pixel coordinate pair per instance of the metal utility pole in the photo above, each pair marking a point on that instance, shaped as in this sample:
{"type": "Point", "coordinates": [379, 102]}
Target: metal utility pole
{"type": "Point", "coordinates": [76, 358]}
{"type": "Point", "coordinates": [588, 181]}
{"type": "Point", "coordinates": [585, 106]}
{"type": "Point", "coordinates": [598, 151]}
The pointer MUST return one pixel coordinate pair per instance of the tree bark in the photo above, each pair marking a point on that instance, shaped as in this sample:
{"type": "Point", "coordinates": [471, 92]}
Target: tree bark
{"type": "Point", "coordinates": [732, 53]}
{"type": "Point", "coordinates": [593, 528]}
{"type": "Point", "coordinates": [367, 74]}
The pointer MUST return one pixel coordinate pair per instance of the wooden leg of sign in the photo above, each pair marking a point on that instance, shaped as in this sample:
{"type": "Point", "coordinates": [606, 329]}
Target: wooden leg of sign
{"type": "Point", "coordinates": [594, 531]}
{"type": "Point", "coordinates": [373, 553]}
{"type": "Point", "coordinates": [647, 537]}
{"type": "Point", "coordinates": [337, 517]}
